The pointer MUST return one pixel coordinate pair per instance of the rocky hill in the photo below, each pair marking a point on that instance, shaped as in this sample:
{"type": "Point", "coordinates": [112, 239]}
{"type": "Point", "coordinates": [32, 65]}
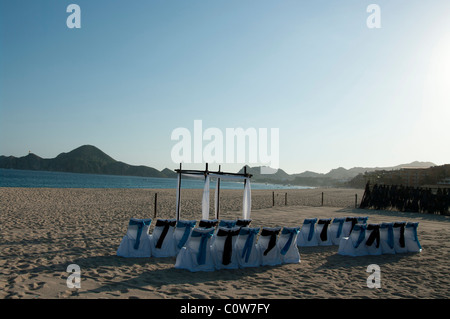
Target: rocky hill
{"type": "Point", "coordinates": [86, 159]}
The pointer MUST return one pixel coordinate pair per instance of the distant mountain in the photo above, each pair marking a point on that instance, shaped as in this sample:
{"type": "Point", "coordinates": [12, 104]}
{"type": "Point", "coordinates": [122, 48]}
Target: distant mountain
{"type": "Point", "coordinates": [346, 174]}
{"type": "Point", "coordinates": [89, 159]}
{"type": "Point", "coordinates": [334, 177]}
{"type": "Point", "coordinates": [308, 174]}
{"type": "Point", "coordinates": [279, 176]}
{"type": "Point", "coordinates": [169, 173]}
{"type": "Point", "coordinates": [84, 159]}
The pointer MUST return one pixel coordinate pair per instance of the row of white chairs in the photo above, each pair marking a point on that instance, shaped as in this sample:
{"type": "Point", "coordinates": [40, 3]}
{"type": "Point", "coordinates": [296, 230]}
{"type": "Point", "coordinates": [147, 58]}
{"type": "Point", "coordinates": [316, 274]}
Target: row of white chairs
{"type": "Point", "coordinates": [229, 244]}
{"type": "Point", "coordinates": [167, 238]}
{"type": "Point", "coordinates": [384, 238]}
{"type": "Point", "coordinates": [224, 244]}
{"type": "Point", "coordinates": [325, 231]}
{"type": "Point", "coordinates": [357, 238]}
{"type": "Point", "coordinates": [209, 249]}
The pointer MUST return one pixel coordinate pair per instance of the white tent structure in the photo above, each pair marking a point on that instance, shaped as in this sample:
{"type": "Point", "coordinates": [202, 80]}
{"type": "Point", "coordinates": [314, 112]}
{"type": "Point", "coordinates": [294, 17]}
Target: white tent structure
{"type": "Point", "coordinates": [218, 175]}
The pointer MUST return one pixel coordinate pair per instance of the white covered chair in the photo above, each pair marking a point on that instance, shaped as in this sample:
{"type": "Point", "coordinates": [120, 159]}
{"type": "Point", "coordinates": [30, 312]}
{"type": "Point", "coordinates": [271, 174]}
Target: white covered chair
{"type": "Point", "coordinates": [219, 223]}
{"type": "Point", "coordinates": [136, 242]}
{"type": "Point", "coordinates": [399, 237]}
{"type": "Point", "coordinates": [268, 249]}
{"type": "Point", "coordinates": [196, 254]}
{"type": "Point", "coordinates": [354, 245]}
{"type": "Point", "coordinates": [387, 238]}
{"type": "Point", "coordinates": [182, 233]}
{"type": "Point", "coordinates": [307, 237]}
{"type": "Point", "coordinates": [349, 223]}
{"type": "Point", "coordinates": [246, 247]}
{"type": "Point", "coordinates": [373, 241]}
{"type": "Point", "coordinates": [336, 230]}
{"type": "Point", "coordinates": [323, 233]}
{"type": "Point", "coordinates": [162, 240]}
{"type": "Point", "coordinates": [287, 245]}
{"type": "Point", "coordinates": [222, 250]}
{"type": "Point", "coordinates": [411, 240]}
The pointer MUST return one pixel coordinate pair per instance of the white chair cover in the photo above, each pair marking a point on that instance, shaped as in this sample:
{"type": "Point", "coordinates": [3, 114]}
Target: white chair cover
{"type": "Point", "coordinates": [411, 240]}
{"type": "Point", "coordinates": [336, 230]}
{"type": "Point", "coordinates": [136, 242]}
{"type": "Point", "coordinates": [196, 255]}
{"type": "Point", "coordinates": [323, 233]}
{"type": "Point", "coordinates": [182, 233]}
{"type": "Point", "coordinates": [354, 245]}
{"type": "Point", "coordinates": [162, 239]}
{"type": "Point", "coordinates": [247, 252]}
{"type": "Point", "coordinates": [387, 238]}
{"type": "Point", "coordinates": [373, 241]}
{"type": "Point", "coordinates": [307, 236]}
{"type": "Point", "coordinates": [287, 245]}
{"type": "Point", "coordinates": [268, 249]}
{"type": "Point", "coordinates": [222, 250]}
{"type": "Point", "coordinates": [399, 237]}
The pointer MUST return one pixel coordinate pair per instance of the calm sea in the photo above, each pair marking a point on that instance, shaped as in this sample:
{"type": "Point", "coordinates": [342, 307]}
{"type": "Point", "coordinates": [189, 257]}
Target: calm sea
{"type": "Point", "coordinates": [26, 178]}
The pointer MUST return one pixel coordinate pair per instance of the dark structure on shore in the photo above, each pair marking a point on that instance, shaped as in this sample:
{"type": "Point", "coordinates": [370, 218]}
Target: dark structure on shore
{"type": "Point", "coordinates": [407, 199]}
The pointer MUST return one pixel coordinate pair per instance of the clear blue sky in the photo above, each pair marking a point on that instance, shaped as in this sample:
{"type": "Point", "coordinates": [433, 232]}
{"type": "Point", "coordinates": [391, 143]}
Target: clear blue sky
{"type": "Point", "coordinates": [340, 93]}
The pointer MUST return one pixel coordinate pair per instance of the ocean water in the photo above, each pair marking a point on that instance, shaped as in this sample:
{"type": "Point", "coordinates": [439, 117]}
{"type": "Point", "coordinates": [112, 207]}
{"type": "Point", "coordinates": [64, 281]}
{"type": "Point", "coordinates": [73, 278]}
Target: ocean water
{"type": "Point", "coordinates": [28, 178]}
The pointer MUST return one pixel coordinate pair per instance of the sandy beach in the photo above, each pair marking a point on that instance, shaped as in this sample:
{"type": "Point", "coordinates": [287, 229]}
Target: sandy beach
{"type": "Point", "coordinates": [45, 230]}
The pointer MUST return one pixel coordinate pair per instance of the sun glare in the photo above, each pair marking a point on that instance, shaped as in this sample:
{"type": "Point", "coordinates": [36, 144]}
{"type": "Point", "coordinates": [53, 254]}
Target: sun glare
{"type": "Point", "coordinates": [436, 102]}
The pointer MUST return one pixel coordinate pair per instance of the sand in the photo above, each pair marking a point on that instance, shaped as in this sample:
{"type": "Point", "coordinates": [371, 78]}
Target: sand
{"type": "Point", "coordinates": [43, 231]}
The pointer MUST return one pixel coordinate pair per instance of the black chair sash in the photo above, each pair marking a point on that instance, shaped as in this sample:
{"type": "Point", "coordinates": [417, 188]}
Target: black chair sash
{"type": "Point", "coordinates": [243, 222]}
{"type": "Point", "coordinates": [228, 246]}
{"type": "Point", "coordinates": [166, 224]}
{"type": "Point", "coordinates": [208, 223]}
{"type": "Point", "coordinates": [324, 232]}
{"type": "Point", "coordinates": [273, 239]}
{"type": "Point", "coordinates": [354, 221]}
{"type": "Point", "coordinates": [374, 235]}
{"type": "Point", "coordinates": [402, 233]}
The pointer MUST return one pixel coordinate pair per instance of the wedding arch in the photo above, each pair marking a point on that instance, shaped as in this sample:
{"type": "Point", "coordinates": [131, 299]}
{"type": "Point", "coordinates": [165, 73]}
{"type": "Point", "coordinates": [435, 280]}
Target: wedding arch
{"type": "Point", "coordinates": [207, 175]}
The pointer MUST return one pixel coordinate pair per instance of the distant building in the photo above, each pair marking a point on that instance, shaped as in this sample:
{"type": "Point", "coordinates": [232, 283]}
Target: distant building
{"type": "Point", "coordinates": [413, 176]}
